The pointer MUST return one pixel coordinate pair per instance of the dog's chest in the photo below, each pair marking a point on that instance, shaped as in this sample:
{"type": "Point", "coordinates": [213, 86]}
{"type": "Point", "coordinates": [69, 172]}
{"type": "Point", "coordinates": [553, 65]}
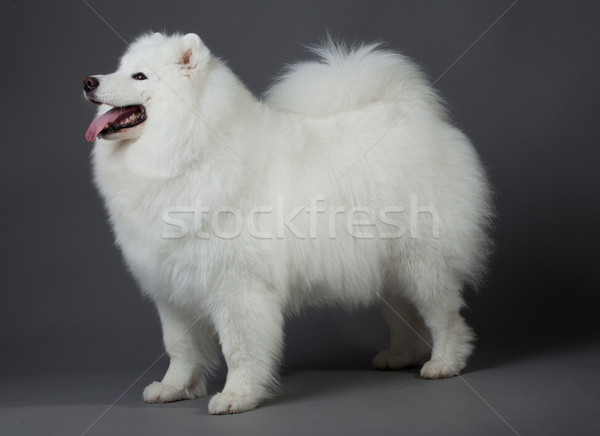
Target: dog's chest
{"type": "Point", "coordinates": [157, 228]}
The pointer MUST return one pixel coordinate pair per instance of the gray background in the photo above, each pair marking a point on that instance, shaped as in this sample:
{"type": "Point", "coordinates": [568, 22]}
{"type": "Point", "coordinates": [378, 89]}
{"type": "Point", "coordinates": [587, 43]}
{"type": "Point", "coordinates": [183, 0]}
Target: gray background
{"type": "Point", "coordinates": [75, 332]}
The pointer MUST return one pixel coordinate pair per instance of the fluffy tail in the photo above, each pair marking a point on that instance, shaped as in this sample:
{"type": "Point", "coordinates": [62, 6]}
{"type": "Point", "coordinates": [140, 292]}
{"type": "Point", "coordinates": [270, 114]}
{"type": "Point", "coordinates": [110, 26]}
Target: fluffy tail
{"type": "Point", "coordinates": [345, 78]}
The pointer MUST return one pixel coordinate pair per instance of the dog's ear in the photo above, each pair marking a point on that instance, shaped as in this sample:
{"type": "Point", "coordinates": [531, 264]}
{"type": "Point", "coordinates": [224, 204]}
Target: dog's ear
{"type": "Point", "coordinates": [194, 51]}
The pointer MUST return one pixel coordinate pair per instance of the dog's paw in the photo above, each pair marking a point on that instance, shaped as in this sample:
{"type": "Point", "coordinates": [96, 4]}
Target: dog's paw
{"type": "Point", "coordinates": [440, 368]}
{"type": "Point", "coordinates": [158, 392]}
{"type": "Point", "coordinates": [389, 360]}
{"type": "Point", "coordinates": [226, 402]}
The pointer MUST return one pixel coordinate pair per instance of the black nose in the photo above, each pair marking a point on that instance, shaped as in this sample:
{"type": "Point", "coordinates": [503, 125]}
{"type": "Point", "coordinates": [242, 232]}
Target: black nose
{"type": "Point", "coordinates": [90, 83]}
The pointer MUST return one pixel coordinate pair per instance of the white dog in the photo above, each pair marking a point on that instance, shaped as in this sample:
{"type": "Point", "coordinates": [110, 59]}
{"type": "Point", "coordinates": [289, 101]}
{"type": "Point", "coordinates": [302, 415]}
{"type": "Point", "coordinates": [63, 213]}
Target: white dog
{"type": "Point", "coordinates": [346, 185]}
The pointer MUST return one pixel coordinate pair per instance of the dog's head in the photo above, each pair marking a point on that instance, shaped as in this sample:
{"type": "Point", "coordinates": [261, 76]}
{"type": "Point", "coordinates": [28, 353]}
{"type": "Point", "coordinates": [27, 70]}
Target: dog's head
{"type": "Point", "coordinates": [156, 67]}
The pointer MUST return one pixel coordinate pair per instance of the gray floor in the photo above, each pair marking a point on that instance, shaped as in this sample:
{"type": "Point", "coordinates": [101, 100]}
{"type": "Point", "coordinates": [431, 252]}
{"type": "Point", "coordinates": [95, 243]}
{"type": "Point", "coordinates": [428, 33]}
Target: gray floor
{"type": "Point", "coordinates": [502, 393]}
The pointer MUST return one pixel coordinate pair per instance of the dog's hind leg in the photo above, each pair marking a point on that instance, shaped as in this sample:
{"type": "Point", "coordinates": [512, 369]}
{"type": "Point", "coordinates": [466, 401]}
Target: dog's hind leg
{"type": "Point", "coordinates": [410, 341]}
{"type": "Point", "coordinates": [435, 290]}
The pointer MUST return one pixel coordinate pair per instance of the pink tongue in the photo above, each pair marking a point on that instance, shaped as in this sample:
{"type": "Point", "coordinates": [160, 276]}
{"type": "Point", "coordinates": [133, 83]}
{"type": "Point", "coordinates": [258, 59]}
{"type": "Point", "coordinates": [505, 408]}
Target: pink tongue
{"type": "Point", "coordinates": [101, 122]}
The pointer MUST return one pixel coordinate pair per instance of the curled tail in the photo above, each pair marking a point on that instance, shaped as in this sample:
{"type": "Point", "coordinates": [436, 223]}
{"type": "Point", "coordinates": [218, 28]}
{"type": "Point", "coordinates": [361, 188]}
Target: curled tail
{"type": "Point", "coordinates": [343, 79]}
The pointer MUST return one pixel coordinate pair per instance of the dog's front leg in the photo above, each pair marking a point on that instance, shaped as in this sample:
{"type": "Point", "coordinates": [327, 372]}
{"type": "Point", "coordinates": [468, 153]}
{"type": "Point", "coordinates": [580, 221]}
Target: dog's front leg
{"type": "Point", "coordinates": [249, 323]}
{"type": "Point", "coordinates": [193, 351]}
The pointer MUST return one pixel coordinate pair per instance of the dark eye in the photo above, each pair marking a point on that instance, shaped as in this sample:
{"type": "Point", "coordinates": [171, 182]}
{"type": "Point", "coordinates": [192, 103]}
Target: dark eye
{"type": "Point", "coordinates": [139, 76]}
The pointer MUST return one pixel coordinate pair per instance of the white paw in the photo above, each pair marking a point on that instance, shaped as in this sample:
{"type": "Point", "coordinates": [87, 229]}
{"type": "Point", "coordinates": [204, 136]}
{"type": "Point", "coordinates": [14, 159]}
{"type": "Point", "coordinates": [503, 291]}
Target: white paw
{"type": "Point", "coordinates": [440, 368]}
{"type": "Point", "coordinates": [157, 392]}
{"type": "Point", "coordinates": [388, 360]}
{"type": "Point", "coordinates": [225, 403]}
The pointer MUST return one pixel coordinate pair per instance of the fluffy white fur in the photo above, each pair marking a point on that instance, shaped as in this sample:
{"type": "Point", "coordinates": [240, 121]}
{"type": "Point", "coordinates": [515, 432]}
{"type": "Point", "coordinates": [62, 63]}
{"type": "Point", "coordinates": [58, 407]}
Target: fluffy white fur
{"type": "Point", "coordinates": [356, 127]}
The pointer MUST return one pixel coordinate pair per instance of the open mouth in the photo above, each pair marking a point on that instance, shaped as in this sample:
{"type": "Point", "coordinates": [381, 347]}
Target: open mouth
{"type": "Point", "coordinates": [115, 120]}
